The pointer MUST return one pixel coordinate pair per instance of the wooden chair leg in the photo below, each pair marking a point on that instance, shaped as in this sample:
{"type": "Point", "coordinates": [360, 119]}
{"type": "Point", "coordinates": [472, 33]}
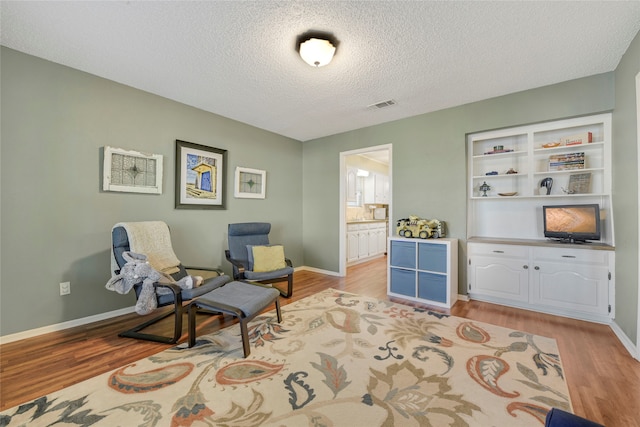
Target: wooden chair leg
{"type": "Point", "coordinates": [245, 336]}
{"type": "Point", "coordinates": [192, 324]}
{"type": "Point", "coordinates": [278, 312]}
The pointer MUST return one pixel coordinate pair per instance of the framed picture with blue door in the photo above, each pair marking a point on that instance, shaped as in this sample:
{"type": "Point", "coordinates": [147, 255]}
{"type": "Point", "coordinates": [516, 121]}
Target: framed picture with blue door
{"type": "Point", "coordinates": [200, 176]}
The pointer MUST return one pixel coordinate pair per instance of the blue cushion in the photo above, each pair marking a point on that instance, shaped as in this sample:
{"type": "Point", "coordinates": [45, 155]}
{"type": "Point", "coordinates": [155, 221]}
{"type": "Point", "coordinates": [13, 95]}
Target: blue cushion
{"type": "Point", "coordinates": [252, 275]}
{"type": "Point", "coordinates": [187, 294]}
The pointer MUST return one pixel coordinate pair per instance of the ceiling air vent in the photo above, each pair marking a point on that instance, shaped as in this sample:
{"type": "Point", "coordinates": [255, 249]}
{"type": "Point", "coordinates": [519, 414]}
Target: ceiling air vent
{"type": "Point", "coordinates": [382, 104]}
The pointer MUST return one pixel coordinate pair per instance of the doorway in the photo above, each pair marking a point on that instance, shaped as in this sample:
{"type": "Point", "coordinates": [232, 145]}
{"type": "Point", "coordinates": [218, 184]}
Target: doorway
{"type": "Point", "coordinates": [360, 171]}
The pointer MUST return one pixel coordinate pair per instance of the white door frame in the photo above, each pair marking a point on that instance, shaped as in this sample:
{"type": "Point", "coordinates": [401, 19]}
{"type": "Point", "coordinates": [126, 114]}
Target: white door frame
{"type": "Point", "coordinates": [342, 231]}
{"type": "Point", "coordinates": [638, 170]}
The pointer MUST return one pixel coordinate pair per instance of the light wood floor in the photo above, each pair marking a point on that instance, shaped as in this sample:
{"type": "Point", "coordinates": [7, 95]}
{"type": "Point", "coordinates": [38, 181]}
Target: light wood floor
{"type": "Point", "coordinates": [603, 379]}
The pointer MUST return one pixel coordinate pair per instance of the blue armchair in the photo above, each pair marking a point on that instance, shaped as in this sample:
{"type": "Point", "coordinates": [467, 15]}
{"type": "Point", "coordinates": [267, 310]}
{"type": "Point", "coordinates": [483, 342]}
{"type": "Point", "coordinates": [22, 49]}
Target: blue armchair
{"type": "Point", "coordinates": [249, 240]}
{"type": "Point", "coordinates": [152, 239]}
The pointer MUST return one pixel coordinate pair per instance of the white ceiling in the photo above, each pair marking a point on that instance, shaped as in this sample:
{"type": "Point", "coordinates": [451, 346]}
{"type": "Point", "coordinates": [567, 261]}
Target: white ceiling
{"type": "Point", "coordinates": [237, 58]}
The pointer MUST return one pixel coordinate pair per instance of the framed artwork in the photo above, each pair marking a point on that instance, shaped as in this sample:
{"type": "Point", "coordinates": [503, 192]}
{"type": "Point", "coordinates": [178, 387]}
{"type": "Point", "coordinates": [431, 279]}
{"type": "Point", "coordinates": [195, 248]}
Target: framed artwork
{"type": "Point", "coordinates": [131, 171]}
{"type": "Point", "coordinates": [250, 183]}
{"type": "Point", "coordinates": [200, 176]}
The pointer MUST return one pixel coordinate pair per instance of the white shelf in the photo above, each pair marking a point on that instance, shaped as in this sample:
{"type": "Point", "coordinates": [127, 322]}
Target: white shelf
{"type": "Point", "coordinates": [520, 216]}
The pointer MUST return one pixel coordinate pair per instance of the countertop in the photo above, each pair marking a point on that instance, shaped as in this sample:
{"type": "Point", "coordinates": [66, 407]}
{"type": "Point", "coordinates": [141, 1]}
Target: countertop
{"type": "Point", "coordinates": [546, 243]}
{"type": "Point", "coordinates": [365, 221]}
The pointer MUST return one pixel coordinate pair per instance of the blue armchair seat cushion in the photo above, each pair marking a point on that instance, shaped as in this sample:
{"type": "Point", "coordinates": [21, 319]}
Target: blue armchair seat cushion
{"type": "Point", "coordinates": [252, 275]}
{"type": "Point", "coordinates": [187, 294]}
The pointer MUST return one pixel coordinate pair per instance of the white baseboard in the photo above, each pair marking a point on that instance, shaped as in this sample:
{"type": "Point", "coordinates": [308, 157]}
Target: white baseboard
{"type": "Point", "coordinates": [318, 270]}
{"type": "Point", "coordinates": [624, 339]}
{"type": "Point", "coordinates": [463, 297]}
{"type": "Point", "coordinates": [64, 325]}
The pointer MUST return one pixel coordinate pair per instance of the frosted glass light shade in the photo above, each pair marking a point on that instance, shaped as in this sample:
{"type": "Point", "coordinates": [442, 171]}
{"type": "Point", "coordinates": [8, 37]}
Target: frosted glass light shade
{"type": "Point", "coordinates": [317, 52]}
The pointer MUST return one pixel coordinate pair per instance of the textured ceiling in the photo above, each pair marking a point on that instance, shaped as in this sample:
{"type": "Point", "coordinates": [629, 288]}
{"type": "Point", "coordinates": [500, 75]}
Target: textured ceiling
{"type": "Point", "coordinates": [237, 58]}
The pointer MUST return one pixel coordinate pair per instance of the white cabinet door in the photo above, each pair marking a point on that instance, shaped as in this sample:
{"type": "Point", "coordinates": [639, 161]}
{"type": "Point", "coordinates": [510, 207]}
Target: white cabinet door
{"type": "Point", "coordinates": [352, 184]}
{"type": "Point", "coordinates": [352, 246]}
{"type": "Point", "coordinates": [568, 286]}
{"type": "Point", "coordinates": [382, 188]}
{"type": "Point", "coordinates": [498, 277]}
{"type": "Point", "coordinates": [381, 236]}
{"type": "Point", "coordinates": [369, 189]}
{"type": "Point", "coordinates": [373, 243]}
{"type": "Point", "coordinates": [363, 243]}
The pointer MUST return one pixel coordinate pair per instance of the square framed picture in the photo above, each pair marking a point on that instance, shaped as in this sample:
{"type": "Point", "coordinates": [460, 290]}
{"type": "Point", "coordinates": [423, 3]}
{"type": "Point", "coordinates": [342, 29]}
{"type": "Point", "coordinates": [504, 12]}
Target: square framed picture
{"type": "Point", "coordinates": [200, 176]}
{"type": "Point", "coordinates": [131, 171]}
{"type": "Point", "coordinates": [250, 183]}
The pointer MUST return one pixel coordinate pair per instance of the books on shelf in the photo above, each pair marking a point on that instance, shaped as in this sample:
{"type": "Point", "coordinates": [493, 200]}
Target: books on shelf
{"type": "Point", "coordinates": [577, 139]}
{"type": "Point", "coordinates": [568, 161]}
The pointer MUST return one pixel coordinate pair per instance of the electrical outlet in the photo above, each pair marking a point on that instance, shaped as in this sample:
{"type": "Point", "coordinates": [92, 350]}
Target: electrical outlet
{"type": "Point", "coordinates": [65, 288]}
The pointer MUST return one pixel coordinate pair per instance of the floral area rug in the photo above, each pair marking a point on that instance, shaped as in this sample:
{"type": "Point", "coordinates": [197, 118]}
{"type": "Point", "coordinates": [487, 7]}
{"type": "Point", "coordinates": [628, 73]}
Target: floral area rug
{"type": "Point", "coordinates": [337, 359]}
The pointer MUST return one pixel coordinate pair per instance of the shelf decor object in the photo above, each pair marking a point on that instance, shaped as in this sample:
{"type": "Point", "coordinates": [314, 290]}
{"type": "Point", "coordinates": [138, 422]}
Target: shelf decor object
{"type": "Point", "coordinates": [131, 171]}
{"type": "Point", "coordinates": [250, 183]}
{"type": "Point", "coordinates": [579, 183]}
{"type": "Point", "coordinates": [484, 188]}
{"type": "Point", "coordinates": [200, 176]}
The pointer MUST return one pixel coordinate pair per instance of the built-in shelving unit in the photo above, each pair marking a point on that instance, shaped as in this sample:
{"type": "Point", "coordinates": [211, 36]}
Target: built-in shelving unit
{"type": "Point", "coordinates": [509, 260]}
{"type": "Point", "coordinates": [512, 207]}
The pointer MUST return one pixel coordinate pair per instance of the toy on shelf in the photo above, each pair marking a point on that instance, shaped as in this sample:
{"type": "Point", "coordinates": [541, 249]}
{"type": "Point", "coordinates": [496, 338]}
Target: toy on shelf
{"type": "Point", "coordinates": [415, 226]}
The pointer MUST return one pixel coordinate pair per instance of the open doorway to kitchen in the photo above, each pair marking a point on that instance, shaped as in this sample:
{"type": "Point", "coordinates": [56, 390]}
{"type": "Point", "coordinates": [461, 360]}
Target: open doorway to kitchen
{"type": "Point", "coordinates": [365, 204]}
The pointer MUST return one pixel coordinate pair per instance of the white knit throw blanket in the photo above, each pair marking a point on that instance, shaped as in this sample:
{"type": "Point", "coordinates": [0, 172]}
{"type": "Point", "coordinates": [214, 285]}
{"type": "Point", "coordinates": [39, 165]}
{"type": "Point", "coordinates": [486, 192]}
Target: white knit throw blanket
{"type": "Point", "coordinates": [152, 239]}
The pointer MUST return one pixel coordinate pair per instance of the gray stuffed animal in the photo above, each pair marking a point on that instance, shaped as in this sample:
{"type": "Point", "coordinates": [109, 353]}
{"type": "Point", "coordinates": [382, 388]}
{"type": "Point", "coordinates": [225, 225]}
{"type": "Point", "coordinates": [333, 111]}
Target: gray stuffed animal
{"type": "Point", "coordinates": [136, 270]}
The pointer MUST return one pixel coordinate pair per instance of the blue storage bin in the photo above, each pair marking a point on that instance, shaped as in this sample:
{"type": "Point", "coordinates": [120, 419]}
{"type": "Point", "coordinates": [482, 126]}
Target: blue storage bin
{"type": "Point", "coordinates": [432, 287]}
{"type": "Point", "coordinates": [432, 257]}
{"type": "Point", "coordinates": [403, 254]}
{"type": "Point", "coordinates": [403, 282]}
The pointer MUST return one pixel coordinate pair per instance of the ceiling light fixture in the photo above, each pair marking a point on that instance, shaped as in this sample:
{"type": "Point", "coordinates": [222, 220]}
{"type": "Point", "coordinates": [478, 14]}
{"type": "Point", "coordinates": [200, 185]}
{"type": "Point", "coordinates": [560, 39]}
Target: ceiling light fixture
{"type": "Point", "coordinates": [316, 48]}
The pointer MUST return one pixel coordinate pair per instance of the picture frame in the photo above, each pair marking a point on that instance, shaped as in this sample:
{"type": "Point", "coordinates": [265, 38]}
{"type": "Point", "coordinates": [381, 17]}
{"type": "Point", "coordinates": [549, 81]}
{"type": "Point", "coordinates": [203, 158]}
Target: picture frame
{"type": "Point", "coordinates": [131, 171]}
{"type": "Point", "coordinates": [200, 176]}
{"type": "Point", "coordinates": [579, 183]}
{"type": "Point", "coordinates": [250, 183]}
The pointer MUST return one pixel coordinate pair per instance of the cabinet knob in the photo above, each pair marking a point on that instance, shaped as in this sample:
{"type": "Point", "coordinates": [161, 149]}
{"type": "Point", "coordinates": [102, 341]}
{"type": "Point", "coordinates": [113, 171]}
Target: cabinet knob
{"type": "Point", "coordinates": [526, 267]}
{"type": "Point", "coordinates": [536, 267]}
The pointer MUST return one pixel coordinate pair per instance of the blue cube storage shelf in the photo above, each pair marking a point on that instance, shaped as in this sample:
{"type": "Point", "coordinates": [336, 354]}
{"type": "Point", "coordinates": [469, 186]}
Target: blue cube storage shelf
{"type": "Point", "coordinates": [423, 270]}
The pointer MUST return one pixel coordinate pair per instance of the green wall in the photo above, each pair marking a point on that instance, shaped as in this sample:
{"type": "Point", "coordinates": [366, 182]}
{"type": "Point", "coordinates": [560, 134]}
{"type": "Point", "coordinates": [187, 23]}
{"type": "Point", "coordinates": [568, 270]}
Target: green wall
{"type": "Point", "coordinates": [55, 218]}
{"type": "Point", "coordinates": [625, 190]}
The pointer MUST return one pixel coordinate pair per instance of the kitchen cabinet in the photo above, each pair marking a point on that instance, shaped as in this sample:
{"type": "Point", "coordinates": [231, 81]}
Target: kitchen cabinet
{"type": "Point", "coordinates": [376, 189]}
{"type": "Point", "coordinates": [364, 240]}
{"type": "Point", "coordinates": [352, 175]}
{"type": "Point", "coordinates": [423, 270]}
{"type": "Point", "coordinates": [352, 243]}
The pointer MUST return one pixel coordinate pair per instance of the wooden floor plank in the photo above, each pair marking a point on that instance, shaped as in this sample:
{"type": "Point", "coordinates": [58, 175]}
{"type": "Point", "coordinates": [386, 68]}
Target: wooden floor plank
{"type": "Point", "coordinates": [603, 379]}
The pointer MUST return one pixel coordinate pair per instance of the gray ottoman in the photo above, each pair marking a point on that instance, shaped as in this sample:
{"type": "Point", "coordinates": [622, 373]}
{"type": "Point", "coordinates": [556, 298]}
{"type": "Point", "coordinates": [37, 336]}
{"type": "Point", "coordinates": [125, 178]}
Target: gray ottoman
{"type": "Point", "coordinates": [242, 300]}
